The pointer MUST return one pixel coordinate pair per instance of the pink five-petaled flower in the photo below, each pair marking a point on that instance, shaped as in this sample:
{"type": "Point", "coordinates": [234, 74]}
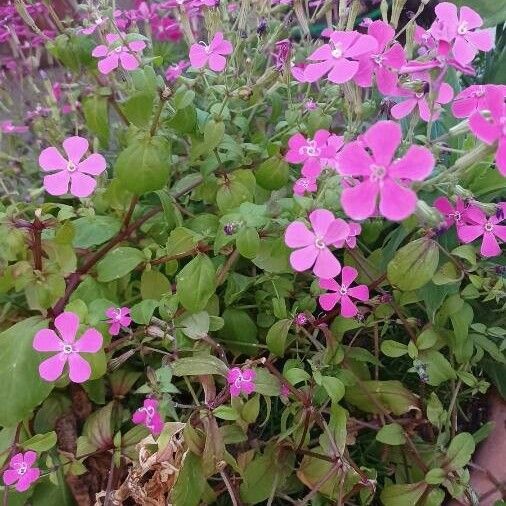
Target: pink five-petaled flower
{"type": "Point", "coordinates": [383, 63]}
{"type": "Point", "coordinates": [380, 175]}
{"type": "Point", "coordinates": [21, 471]}
{"type": "Point", "coordinates": [459, 31]}
{"type": "Point", "coordinates": [493, 129]}
{"type": "Point", "coordinates": [241, 381]}
{"type": "Point", "coordinates": [343, 293]}
{"type": "Point", "coordinates": [453, 215]}
{"type": "Point", "coordinates": [67, 347]}
{"type": "Point", "coordinates": [315, 154]}
{"type": "Point", "coordinates": [477, 225]}
{"type": "Point", "coordinates": [116, 53]}
{"type": "Point", "coordinates": [339, 57]}
{"type": "Point", "coordinates": [71, 171]}
{"type": "Point", "coordinates": [473, 99]}
{"type": "Point", "coordinates": [212, 54]}
{"type": "Point", "coordinates": [420, 99]}
{"type": "Point", "coordinates": [313, 247]}
{"type": "Point", "coordinates": [304, 185]}
{"type": "Point", "coordinates": [351, 240]}
{"type": "Point", "coordinates": [118, 317]}
{"type": "Point", "coordinates": [149, 416]}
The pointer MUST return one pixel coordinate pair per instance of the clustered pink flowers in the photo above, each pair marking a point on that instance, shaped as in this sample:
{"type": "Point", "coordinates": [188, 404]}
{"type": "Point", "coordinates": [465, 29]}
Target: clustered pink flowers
{"type": "Point", "coordinates": [67, 347]}
{"type": "Point", "coordinates": [72, 173]}
{"type": "Point", "coordinates": [22, 471]}
{"type": "Point", "coordinates": [149, 416]}
{"type": "Point", "coordinates": [241, 382]}
{"type": "Point", "coordinates": [116, 52]}
{"type": "Point", "coordinates": [212, 55]}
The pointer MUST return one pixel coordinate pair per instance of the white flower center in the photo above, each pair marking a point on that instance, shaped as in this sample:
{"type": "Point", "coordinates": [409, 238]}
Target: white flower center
{"type": "Point", "coordinates": [117, 314]}
{"type": "Point", "coordinates": [310, 150]}
{"type": "Point", "coordinates": [462, 28]}
{"type": "Point", "coordinates": [22, 469]}
{"type": "Point", "coordinates": [71, 166]}
{"type": "Point", "coordinates": [378, 59]}
{"type": "Point", "coordinates": [480, 92]}
{"type": "Point", "coordinates": [118, 49]}
{"type": "Point", "coordinates": [319, 242]}
{"type": "Point", "coordinates": [67, 349]}
{"type": "Point", "coordinates": [420, 95]}
{"type": "Point", "coordinates": [378, 173]}
{"type": "Point", "coordinates": [150, 413]}
{"type": "Point", "coordinates": [457, 216]}
{"type": "Point", "coordinates": [343, 290]}
{"type": "Point", "coordinates": [337, 52]}
{"type": "Point", "coordinates": [488, 227]}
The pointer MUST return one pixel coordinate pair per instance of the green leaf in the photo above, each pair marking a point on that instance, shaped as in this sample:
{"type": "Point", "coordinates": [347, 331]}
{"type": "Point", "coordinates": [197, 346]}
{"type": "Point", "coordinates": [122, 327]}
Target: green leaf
{"type": "Point", "coordinates": [461, 450]}
{"type": "Point", "coordinates": [391, 434]}
{"type": "Point", "coordinates": [276, 337]}
{"type": "Point", "coordinates": [138, 108]}
{"type": "Point", "coordinates": [226, 413]}
{"type": "Point", "coordinates": [196, 283]}
{"type": "Point", "coordinates": [414, 265]}
{"type": "Point", "coordinates": [403, 495]}
{"type": "Point", "coordinates": [427, 339]}
{"type": "Point", "coordinates": [142, 312]}
{"type": "Point", "coordinates": [96, 114]}
{"type": "Point", "coordinates": [435, 411]}
{"type": "Point", "coordinates": [238, 331]}
{"type": "Point", "coordinates": [273, 256]}
{"type": "Point", "coordinates": [258, 480]}
{"type": "Point", "coordinates": [196, 326]}
{"type": "Point", "coordinates": [94, 230]}
{"type": "Point", "coordinates": [47, 494]}
{"type": "Point", "coordinates": [181, 241]}
{"type": "Point", "coordinates": [266, 383]}
{"type": "Point", "coordinates": [118, 263]}
{"type": "Point", "coordinates": [248, 242]}
{"type": "Point", "coordinates": [213, 134]}
{"type": "Point", "coordinates": [435, 476]}
{"type": "Point", "coordinates": [447, 274]}
{"type": "Point", "coordinates": [154, 284]}
{"type": "Point", "coordinates": [393, 348]}
{"type": "Point", "coordinates": [22, 388]}
{"type": "Point", "coordinates": [439, 369]}
{"type": "Point", "coordinates": [272, 173]}
{"type": "Point", "coordinates": [467, 252]}
{"type": "Point", "coordinates": [198, 365]}
{"type": "Point", "coordinates": [334, 388]}
{"type": "Point", "coordinates": [40, 442]}
{"type": "Point", "coordinates": [144, 165]}
{"type": "Point", "coordinates": [190, 482]}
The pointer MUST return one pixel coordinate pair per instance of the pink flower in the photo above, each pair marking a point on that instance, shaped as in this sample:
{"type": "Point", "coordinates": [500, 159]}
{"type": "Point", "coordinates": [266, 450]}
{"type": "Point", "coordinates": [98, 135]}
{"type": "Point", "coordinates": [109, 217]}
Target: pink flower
{"type": "Point", "coordinates": [453, 215]}
{"type": "Point", "coordinates": [459, 31]}
{"type": "Point", "coordinates": [67, 347]}
{"type": "Point", "coordinates": [492, 130]}
{"type": "Point", "coordinates": [472, 99]}
{"type": "Point", "coordinates": [98, 21]}
{"type": "Point", "coordinates": [166, 29]}
{"type": "Point", "coordinates": [315, 154]}
{"type": "Point", "coordinates": [115, 53]}
{"type": "Point", "coordinates": [149, 416]}
{"type": "Point", "coordinates": [118, 317]}
{"type": "Point", "coordinates": [380, 176]}
{"type": "Point", "coordinates": [212, 55]}
{"type": "Point", "coordinates": [478, 225]}
{"type": "Point", "coordinates": [343, 293]}
{"type": "Point", "coordinates": [241, 381]}
{"type": "Point", "coordinates": [21, 471]}
{"type": "Point", "coordinates": [176, 70]}
{"type": "Point", "coordinates": [7, 127]}
{"type": "Point", "coordinates": [420, 100]}
{"type": "Point", "coordinates": [282, 53]}
{"type": "Point", "coordinates": [351, 240]}
{"type": "Point", "coordinates": [304, 185]}
{"type": "Point", "coordinates": [383, 63]}
{"type": "Point", "coordinates": [312, 248]}
{"type": "Point", "coordinates": [71, 171]}
{"type": "Point", "coordinates": [338, 58]}
{"type": "Point", "coordinates": [300, 319]}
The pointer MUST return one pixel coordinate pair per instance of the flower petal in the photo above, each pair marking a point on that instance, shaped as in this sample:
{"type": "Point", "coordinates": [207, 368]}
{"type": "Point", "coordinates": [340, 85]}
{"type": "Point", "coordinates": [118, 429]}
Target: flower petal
{"type": "Point", "coordinates": [500, 156]}
{"type": "Point", "coordinates": [326, 265]}
{"type": "Point", "coordinates": [29, 458]}
{"type": "Point", "coordinates": [79, 369]}
{"type": "Point", "coordinates": [75, 147]}
{"type": "Point", "coordinates": [468, 233]}
{"type": "Point", "coordinates": [67, 324]}
{"type": "Point", "coordinates": [10, 476]}
{"type": "Point", "coordinates": [50, 159]}
{"type": "Point", "coordinates": [489, 246]}
{"type": "Point", "coordinates": [415, 165]}
{"type": "Point", "coordinates": [58, 183]}
{"type": "Point", "coordinates": [217, 62]}
{"type": "Point", "coordinates": [348, 275]}
{"type": "Point", "coordinates": [89, 342]}
{"type": "Point", "coordinates": [100, 51]}
{"type": "Point", "coordinates": [463, 51]}
{"type": "Point", "coordinates": [482, 39]}
{"type": "Point", "coordinates": [303, 259]}
{"type": "Point", "coordinates": [315, 71]}
{"type": "Point", "coordinates": [81, 185]}
{"type": "Point", "coordinates": [348, 308]}
{"type": "Point", "coordinates": [396, 202]}
{"type": "Point", "coordinates": [128, 61]}
{"type": "Point", "coordinates": [94, 165]}
{"type": "Point", "coordinates": [383, 138]}
{"type": "Point", "coordinates": [297, 235]}
{"type": "Point", "coordinates": [402, 109]}
{"type": "Point", "coordinates": [337, 231]}
{"type": "Point", "coordinates": [52, 368]}
{"type": "Point", "coordinates": [343, 70]}
{"type": "Point", "coordinates": [47, 340]}
{"type": "Point", "coordinates": [321, 219]}
{"type": "Point", "coordinates": [360, 292]}
{"type": "Point", "coordinates": [354, 160]}
{"type": "Point", "coordinates": [329, 284]}
{"type": "Point", "coordinates": [198, 56]}
{"type": "Point", "coordinates": [329, 300]}
{"type": "Point", "coordinates": [359, 202]}
{"type": "Point", "coordinates": [485, 130]}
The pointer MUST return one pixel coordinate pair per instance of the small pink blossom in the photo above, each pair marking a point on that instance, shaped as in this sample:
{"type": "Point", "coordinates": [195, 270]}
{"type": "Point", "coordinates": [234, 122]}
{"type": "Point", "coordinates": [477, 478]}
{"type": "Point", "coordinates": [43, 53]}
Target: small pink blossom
{"type": "Point", "coordinates": [380, 176]}
{"type": "Point", "coordinates": [176, 70]}
{"type": "Point", "coordinates": [68, 348]}
{"type": "Point", "coordinates": [458, 32]}
{"type": "Point", "coordinates": [71, 171]}
{"type": "Point", "coordinates": [478, 225]}
{"type": "Point", "coordinates": [96, 22]}
{"type": "Point", "coordinates": [312, 248]}
{"type": "Point", "coordinates": [383, 63]}
{"type": "Point", "coordinates": [284, 391]}
{"type": "Point", "coordinates": [315, 154]}
{"type": "Point", "coordinates": [115, 53]}
{"type": "Point", "coordinates": [343, 293]}
{"type": "Point", "coordinates": [420, 100]}
{"type": "Point", "coordinates": [166, 29]}
{"type": "Point", "coordinates": [282, 53]}
{"type": "Point", "coordinates": [149, 416]}
{"type": "Point", "coordinates": [310, 105]}
{"type": "Point", "coordinates": [339, 57]}
{"type": "Point", "coordinates": [351, 240]}
{"type": "Point", "coordinates": [493, 129]}
{"type": "Point", "coordinates": [21, 471]}
{"type": "Point", "coordinates": [8, 127]}
{"type": "Point", "coordinates": [304, 185]}
{"type": "Point", "coordinates": [212, 55]}
{"type": "Point", "coordinates": [241, 381]}
{"type": "Point", "coordinates": [300, 319]}
{"type": "Point", "coordinates": [473, 99]}
{"type": "Point", "coordinates": [453, 215]}
{"type": "Point", "coordinates": [118, 317]}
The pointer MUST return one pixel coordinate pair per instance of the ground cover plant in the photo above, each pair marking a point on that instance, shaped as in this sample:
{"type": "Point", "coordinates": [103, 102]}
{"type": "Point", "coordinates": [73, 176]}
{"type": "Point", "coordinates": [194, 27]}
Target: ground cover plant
{"type": "Point", "coordinates": [251, 251]}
